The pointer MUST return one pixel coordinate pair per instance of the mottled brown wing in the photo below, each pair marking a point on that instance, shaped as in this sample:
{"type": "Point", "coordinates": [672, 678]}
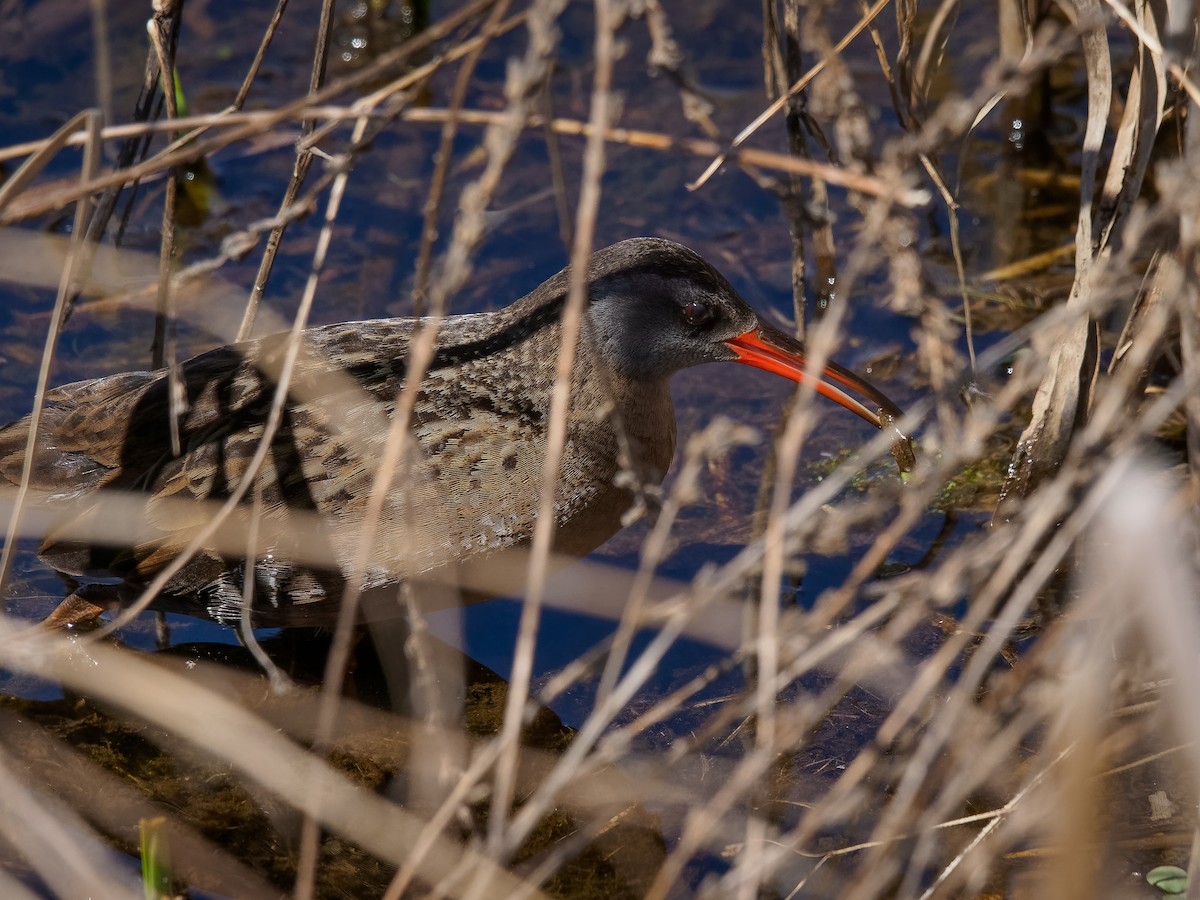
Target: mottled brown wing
{"type": "Point", "coordinates": [112, 434]}
{"type": "Point", "coordinates": [81, 431]}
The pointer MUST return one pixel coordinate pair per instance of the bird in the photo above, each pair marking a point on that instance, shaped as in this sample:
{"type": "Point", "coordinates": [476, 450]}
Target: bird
{"type": "Point", "coordinates": [468, 485]}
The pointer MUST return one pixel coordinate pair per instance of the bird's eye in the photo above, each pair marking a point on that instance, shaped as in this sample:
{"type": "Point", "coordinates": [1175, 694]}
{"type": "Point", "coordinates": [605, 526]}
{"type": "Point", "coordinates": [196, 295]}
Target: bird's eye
{"type": "Point", "coordinates": [697, 313]}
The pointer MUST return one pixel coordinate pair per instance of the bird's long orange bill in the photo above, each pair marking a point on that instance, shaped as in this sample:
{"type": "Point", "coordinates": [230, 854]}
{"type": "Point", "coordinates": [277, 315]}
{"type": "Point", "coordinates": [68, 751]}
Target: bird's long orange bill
{"type": "Point", "coordinates": [766, 347]}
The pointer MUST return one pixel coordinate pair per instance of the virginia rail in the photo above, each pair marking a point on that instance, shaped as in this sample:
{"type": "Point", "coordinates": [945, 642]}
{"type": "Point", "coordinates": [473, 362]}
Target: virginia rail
{"type": "Point", "coordinates": [479, 424]}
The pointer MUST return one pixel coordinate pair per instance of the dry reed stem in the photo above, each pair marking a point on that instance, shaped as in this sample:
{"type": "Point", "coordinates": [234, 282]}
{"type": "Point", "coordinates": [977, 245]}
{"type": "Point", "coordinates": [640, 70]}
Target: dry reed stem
{"type": "Point", "coordinates": [223, 728]}
{"type": "Point", "coordinates": [444, 155]}
{"type": "Point", "coordinates": [304, 155]}
{"type": "Point", "coordinates": [501, 840]}
{"type": "Point", "coordinates": [164, 346]}
{"type": "Point", "coordinates": [270, 426]}
{"type": "Point", "coordinates": [743, 135]}
{"type": "Point", "coordinates": [186, 150]}
{"type": "Point", "coordinates": [90, 162]}
{"type": "Point", "coordinates": [242, 124]}
{"type": "Point", "coordinates": [335, 665]}
{"type": "Point", "coordinates": [111, 805]}
{"type": "Point", "coordinates": [39, 825]}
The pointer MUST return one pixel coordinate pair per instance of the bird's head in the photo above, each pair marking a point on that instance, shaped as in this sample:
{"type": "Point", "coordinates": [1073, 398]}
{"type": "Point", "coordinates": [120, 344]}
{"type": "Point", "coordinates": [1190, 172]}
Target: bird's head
{"type": "Point", "coordinates": [656, 307]}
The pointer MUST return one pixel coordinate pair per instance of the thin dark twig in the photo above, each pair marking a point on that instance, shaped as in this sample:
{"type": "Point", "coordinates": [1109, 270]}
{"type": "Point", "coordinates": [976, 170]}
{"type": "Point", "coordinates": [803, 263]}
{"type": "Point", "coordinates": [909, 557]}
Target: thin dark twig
{"type": "Point", "coordinates": [433, 201]}
{"type": "Point", "coordinates": [187, 149]}
{"type": "Point", "coordinates": [92, 155]}
{"type": "Point", "coordinates": [260, 54]}
{"type": "Point", "coordinates": [299, 173]}
{"type": "Point", "coordinates": [164, 349]}
{"type": "Point", "coordinates": [163, 26]}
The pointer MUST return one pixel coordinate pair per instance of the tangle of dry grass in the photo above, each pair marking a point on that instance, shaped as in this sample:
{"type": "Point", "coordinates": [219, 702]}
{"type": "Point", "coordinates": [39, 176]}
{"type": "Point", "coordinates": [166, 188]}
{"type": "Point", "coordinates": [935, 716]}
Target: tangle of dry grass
{"type": "Point", "coordinates": [985, 720]}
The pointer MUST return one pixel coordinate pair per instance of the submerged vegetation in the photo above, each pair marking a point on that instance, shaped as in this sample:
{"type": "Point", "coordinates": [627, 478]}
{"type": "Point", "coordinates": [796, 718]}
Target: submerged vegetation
{"type": "Point", "coordinates": [818, 679]}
